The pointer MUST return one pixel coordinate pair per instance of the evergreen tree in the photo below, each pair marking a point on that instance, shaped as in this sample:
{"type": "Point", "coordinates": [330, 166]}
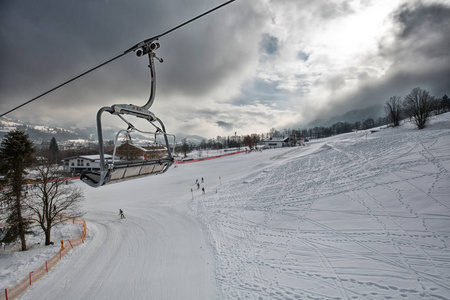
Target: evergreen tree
{"type": "Point", "coordinates": [53, 151]}
{"type": "Point", "coordinates": [445, 103]}
{"type": "Point", "coordinates": [16, 154]}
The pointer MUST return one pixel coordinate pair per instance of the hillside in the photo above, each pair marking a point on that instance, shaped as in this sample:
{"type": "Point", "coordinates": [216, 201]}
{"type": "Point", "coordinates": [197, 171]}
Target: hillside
{"type": "Point", "coordinates": [44, 133]}
{"type": "Point", "coordinates": [355, 216]}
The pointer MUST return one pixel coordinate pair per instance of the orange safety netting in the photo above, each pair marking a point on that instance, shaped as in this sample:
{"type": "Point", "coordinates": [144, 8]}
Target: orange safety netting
{"type": "Point", "coordinates": [208, 158]}
{"type": "Point", "coordinates": [20, 287]}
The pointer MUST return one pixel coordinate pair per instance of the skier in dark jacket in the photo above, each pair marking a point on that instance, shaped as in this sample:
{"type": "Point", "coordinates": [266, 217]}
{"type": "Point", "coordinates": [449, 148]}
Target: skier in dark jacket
{"type": "Point", "coordinates": [122, 216]}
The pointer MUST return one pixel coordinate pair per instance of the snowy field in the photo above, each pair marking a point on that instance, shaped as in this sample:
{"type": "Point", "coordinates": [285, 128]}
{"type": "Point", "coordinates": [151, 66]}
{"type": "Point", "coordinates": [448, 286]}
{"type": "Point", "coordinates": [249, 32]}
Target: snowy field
{"type": "Point", "coordinates": [356, 216]}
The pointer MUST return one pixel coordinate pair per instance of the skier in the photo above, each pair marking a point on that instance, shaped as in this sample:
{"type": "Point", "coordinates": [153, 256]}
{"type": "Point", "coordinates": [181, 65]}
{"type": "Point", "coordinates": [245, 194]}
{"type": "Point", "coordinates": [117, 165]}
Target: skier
{"type": "Point", "coordinates": [122, 216]}
{"type": "Point", "coordinates": [198, 186]}
{"type": "Point", "coordinates": [202, 179]}
{"type": "Point", "coordinates": [203, 190]}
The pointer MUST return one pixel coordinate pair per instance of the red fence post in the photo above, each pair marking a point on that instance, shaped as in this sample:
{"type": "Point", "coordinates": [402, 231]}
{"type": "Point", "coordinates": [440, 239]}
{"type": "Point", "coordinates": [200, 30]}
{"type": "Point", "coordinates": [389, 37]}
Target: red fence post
{"type": "Point", "coordinates": [6, 294]}
{"type": "Point", "coordinates": [46, 266]}
{"type": "Point", "coordinates": [30, 276]}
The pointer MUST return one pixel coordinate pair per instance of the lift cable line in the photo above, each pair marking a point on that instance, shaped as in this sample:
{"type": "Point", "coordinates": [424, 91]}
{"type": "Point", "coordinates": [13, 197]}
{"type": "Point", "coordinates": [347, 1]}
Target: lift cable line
{"type": "Point", "coordinates": [62, 84]}
{"type": "Point", "coordinates": [134, 48]}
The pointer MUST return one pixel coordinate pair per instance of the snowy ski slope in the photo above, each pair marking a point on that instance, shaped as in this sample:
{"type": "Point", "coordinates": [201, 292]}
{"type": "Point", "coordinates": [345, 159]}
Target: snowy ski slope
{"type": "Point", "coordinates": [356, 216]}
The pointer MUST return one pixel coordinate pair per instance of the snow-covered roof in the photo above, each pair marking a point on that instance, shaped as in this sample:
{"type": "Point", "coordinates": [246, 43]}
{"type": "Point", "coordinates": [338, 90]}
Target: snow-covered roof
{"type": "Point", "coordinates": [277, 139]}
{"type": "Point", "coordinates": [147, 148]}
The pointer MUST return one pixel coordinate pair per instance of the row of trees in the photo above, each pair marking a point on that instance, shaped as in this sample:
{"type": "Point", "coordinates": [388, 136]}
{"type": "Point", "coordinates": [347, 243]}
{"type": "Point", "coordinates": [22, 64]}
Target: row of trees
{"type": "Point", "coordinates": [43, 198]}
{"type": "Point", "coordinates": [418, 105]}
{"type": "Point", "coordinates": [295, 135]}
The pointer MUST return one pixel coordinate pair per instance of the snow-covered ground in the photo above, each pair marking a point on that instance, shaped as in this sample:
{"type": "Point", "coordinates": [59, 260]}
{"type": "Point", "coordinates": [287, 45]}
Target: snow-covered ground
{"type": "Point", "coordinates": [356, 216]}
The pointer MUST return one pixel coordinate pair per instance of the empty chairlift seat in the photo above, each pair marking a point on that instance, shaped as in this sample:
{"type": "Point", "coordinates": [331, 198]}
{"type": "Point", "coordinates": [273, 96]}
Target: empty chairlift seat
{"type": "Point", "coordinates": [123, 170]}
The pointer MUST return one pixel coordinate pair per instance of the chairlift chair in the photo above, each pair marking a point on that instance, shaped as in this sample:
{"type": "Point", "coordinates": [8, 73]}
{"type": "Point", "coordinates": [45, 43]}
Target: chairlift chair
{"type": "Point", "coordinates": [112, 170]}
{"type": "Point", "coordinates": [115, 170]}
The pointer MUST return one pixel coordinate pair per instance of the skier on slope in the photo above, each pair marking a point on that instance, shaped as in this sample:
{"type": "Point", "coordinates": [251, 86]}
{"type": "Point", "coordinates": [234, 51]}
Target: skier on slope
{"type": "Point", "coordinates": [122, 216]}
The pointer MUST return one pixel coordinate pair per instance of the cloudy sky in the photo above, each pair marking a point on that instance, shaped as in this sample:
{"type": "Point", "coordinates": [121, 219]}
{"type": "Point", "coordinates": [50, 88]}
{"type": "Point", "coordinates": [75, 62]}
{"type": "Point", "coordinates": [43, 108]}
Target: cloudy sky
{"type": "Point", "coordinates": [251, 66]}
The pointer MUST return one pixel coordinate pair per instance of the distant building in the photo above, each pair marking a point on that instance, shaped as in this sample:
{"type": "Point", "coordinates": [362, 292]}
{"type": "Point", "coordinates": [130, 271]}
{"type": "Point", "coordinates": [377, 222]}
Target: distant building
{"type": "Point", "coordinates": [129, 151]}
{"type": "Point", "coordinates": [276, 142]}
{"type": "Point", "coordinates": [126, 151]}
{"type": "Point", "coordinates": [78, 164]}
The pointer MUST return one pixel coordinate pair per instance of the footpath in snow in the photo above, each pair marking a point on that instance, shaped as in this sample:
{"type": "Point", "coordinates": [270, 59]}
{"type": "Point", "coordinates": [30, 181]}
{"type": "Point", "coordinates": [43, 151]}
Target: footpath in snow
{"type": "Point", "coordinates": [356, 216]}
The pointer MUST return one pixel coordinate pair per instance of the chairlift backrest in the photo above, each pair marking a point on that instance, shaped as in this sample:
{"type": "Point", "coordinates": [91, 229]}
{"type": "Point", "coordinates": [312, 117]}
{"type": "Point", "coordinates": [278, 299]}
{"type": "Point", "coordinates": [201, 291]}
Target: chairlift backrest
{"type": "Point", "coordinates": [127, 163]}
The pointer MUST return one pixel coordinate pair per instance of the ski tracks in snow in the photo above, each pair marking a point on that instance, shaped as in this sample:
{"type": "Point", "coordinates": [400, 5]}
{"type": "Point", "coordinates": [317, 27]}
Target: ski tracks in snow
{"type": "Point", "coordinates": [282, 232]}
{"type": "Point", "coordinates": [139, 257]}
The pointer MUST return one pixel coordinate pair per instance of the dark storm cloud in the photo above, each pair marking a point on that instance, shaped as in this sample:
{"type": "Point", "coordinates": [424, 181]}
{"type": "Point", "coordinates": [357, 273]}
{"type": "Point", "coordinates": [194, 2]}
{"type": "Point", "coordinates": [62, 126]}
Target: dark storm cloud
{"type": "Point", "coordinates": [252, 62]}
{"type": "Point", "coordinates": [423, 33]}
{"type": "Point", "coordinates": [423, 19]}
{"type": "Point", "coordinates": [47, 42]}
{"type": "Point", "coordinates": [44, 43]}
{"type": "Point", "coordinates": [421, 49]}
{"type": "Point", "coordinates": [213, 52]}
{"type": "Point", "coordinates": [418, 51]}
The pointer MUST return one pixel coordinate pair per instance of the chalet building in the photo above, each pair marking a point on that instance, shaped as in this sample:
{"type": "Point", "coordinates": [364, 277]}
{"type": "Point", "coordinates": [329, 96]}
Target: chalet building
{"type": "Point", "coordinates": [129, 151]}
{"type": "Point", "coordinates": [276, 142]}
{"type": "Point", "coordinates": [78, 164]}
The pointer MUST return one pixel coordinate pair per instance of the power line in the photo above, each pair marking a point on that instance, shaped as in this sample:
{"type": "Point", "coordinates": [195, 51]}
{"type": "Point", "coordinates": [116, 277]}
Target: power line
{"type": "Point", "coordinates": [62, 84]}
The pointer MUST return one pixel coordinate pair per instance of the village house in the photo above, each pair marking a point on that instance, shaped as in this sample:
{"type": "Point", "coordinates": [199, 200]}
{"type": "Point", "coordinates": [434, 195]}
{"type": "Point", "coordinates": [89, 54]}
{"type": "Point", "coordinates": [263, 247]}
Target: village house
{"type": "Point", "coordinates": [276, 142]}
{"type": "Point", "coordinates": [78, 164]}
{"type": "Point", "coordinates": [128, 151]}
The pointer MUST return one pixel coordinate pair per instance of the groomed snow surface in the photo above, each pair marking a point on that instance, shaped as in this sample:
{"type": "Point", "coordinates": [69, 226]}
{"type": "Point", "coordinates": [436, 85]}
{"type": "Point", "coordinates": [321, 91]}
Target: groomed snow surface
{"type": "Point", "coordinates": [355, 216]}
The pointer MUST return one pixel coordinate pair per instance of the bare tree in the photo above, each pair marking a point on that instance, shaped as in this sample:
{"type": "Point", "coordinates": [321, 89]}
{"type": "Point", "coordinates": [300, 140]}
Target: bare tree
{"type": "Point", "coordinates": [248, 141]}
{"type": "Point", "coordinates": [185, 147]}
{"type": "Point", "coordinates": [53, 198]}
{"type": "Point", "coordinates": [419, 105]}
{"type": "Point", "coordinates": [393, 109]}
